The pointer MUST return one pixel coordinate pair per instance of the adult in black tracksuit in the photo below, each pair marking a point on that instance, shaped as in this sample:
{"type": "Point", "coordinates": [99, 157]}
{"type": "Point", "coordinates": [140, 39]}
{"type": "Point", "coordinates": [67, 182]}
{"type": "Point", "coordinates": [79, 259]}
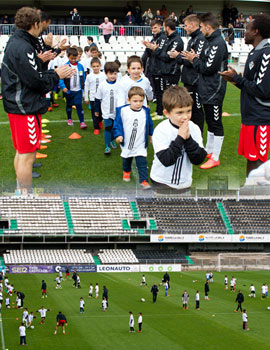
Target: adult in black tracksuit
{"type": "Point", "coordinates": [166, 278]}
{"type": "Point", "coordinates": [213, 59]}
{"type": "Point", "coordinates": [151, 62]}
{"type": "Point", "coordinates": [154, 291]}
{"type": "Point", "coordinates": [189, 76]}
{"type": "Point", "coordinates": [24, 85]}
{"type": "Point", "coordinates": [255, 94]}
{"type": "Point", "coordinates": [239, 299]}
{"type": "Point", "coordinates": [168, 71]}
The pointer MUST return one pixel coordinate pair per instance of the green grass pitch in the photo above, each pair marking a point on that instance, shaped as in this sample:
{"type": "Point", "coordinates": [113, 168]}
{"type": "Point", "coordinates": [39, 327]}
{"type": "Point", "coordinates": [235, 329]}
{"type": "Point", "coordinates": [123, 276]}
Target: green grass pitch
{"type": "Point", "coordinates": [165, 324]}
{"type": "Point", "coordinates": [81, 163]}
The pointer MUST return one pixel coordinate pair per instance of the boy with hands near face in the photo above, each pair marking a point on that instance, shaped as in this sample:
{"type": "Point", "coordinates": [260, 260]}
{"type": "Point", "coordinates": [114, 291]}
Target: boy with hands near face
{"type": "Point", "coordinates": [177, 143]}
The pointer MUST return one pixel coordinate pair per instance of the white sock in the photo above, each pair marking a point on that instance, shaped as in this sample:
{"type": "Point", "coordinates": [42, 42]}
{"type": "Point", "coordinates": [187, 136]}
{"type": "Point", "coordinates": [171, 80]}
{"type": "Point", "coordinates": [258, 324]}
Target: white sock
{"type": "Point", "coordinates": [218, 140]}
{"type": "Point", "coordinates": [18, 185]}
{"type": "Point", "coordinates": [210, 142]}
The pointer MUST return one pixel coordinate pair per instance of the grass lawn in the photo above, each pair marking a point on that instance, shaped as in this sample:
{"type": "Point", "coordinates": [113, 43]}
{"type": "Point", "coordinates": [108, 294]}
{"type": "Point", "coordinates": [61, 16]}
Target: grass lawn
{"type": "Point", "coordinates": [165, 324]}
{"type": "Point", "coordinates": [81, 163]}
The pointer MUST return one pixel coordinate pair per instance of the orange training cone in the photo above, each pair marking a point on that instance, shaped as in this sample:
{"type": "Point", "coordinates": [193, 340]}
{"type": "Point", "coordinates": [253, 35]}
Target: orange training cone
{"type": "Point", "coordinates": [45, 141]}
{"type": "Point", "coordinates": [225, 114]}
{"type": "Point", "coordinates": [41, 155]}
{"type": "Point", "coordinates": [43, 147]}
{"type": "Point", "coordinates": [75, 136]}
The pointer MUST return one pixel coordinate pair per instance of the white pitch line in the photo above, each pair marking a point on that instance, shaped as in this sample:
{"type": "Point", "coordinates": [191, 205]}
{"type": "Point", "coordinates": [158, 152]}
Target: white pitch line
{"type": "Point", "coordinates": [2, 333]}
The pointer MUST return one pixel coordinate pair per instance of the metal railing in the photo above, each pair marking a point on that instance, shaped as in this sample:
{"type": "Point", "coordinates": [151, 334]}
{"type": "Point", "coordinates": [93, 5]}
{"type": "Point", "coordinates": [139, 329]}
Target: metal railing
{"type": "Point", "coordinates": [93, 30]}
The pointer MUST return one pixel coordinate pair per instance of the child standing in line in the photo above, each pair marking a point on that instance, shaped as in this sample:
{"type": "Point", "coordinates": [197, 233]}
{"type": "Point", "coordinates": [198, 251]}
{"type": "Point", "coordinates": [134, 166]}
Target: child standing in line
{"type": "Point", "coordinates": [96, 290]}
{"type": "Point", "coordinates": [177, 143]}
{"type": "Point", "coordinates": [166, 288]}
{"type": "Point", "coordinates": [7, 302]}
{"type": "Point", "coordinates": [81, 305]}
{"type": "Point", "coordinates": [131, 322]}
{"type": "Point", "coordinates": [132, 128]}
{"type": "Point", "coordinates": [43, 289]}
{"type": "Point", "coordinates": [245, 319]}
{"type": "Point", "coordinates": [73, 88]}
{"type": "Point", "coordinates": [134, 77]}
{"type": "Point", "coordinates": [93, 80]}
{"type": "Point", "coordinates": [104, 304]}
{"type": "Point", "coordinates": [197, 298]}
{"type": "Point", "coordinates": [106, 100]}
{"type": "Point", "coordinates": [140, 319]}
{"type": "Point", "coordinates": [90, 291]}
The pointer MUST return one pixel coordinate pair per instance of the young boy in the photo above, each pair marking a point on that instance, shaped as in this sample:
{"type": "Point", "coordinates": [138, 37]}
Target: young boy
{"type": "Point", "coordinates": [58, 283]}
{"type": "Point", "coordinates": [197, 298]}
{"type": "Point", "coordinates": [140, 319]}
{"type": "Point", "coordinates": [25, 316]}
{"type": "Point", "coordinates": [177, 143]}
{"type": "Point", "coordinates": [22, 332]}
{"type": "Point", "coordinates": [73, 88]}
{"type": "Point", "coordinates": [86, 60]}
{"type": "Point", "coordinates": [78, 282]}
{"type": "Point", "coordinates": [135, 78]}
{"type": "Point", "coordinates": [104, 304]}
{"type": "Point", "coordinates": [96, 290]}
{"type": "Point", "coordinates": [131, 322]}
{"type": "Point", "coordinates": [185, 298]}
{"type": "Point", "coordinates": [106, 100]}
{"type": "Point", "coordinates": [43, 289]}
{"type": "Point", "coordinates": [245, 319]}
{"type": "Point", "coordinates": [226, 282]}
{"type": "Point", "coordinates": [90, 291]}
{"type": "Point", "coordinates": [30, 320]}
{"type": "Point", "coordinates": [61, 321]}
{"type": "Point", "coordinates": [132, 128]}
{"type": "Point", "coordinates": [264, 291]}
{"type": "Point", "coordinates": [166, 288]}
{"type": "Point", "coordinates": [81, 305]}
{"type": "Point", "coordinates": [7, 302]}
{"type": "Point", "coordinates": [143, 283]}
{"type": "Point", "coordinates": [92, 82]}
{"type": "Point", "coordinates": [252, 291]}
{"type": "Point", "coordinates": [43, 313]}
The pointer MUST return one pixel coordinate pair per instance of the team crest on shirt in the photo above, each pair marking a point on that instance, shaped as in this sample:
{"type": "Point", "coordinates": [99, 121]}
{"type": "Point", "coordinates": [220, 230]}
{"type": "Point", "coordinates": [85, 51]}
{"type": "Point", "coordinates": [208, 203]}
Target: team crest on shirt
{"type": "Point", "coordinates": [251, 65]}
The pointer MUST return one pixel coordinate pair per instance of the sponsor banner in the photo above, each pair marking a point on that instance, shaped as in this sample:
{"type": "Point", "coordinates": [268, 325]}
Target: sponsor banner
{"type": "Point", "coordinates": [160, 268]}
{"type": "Point", "coordinates": [31, 269]}
{"type": "Point", "coordinates": [118, 268]}
{"type": "Point", "coordinates": [79, 268]}
{"type": "Point", "coordinates": [211, 238]}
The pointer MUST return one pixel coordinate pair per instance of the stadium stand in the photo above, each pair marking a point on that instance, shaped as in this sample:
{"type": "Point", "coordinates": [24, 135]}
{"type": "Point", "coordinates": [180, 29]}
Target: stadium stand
{"type": "Point", "coordinates": [184, 216]}
{"type": "Point", "coordinates": [99, 215]}
{"type": "Point", "coordinates": [117, 256]}
{"type": "Point", "coordinates": [249, 216]}
{"type": "Point", "coordinates": [43, 215]}
{"type": "Point", "coordinates": [59, 256]}
{"type": "Point", "coordinates": [153, 256]}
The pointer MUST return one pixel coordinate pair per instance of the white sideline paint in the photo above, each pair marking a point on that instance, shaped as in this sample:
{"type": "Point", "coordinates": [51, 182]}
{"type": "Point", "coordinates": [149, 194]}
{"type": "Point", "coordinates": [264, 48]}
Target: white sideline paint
{"type": "Point", "coordinates": [2, 333]}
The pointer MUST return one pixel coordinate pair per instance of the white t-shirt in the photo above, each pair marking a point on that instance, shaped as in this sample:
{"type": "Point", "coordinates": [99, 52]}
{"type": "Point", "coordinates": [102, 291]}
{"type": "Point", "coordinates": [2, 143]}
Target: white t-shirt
{"type": "Point", "coordinates": [92, 83]}
{"type": "Point", "coordinates": [252, 288]}
{"type": "Point", "coordinates": [78, 279]}
{"type": "Point", "coordinates": [232, 283]}
{"type": "Point", "coordinates": [244, 317]}
{"type": "Point", "coordinates": [178, 175]}
{"type": "Point", "coordinates": [7, 301]}
{"type": "Point", "coordinates": [60, 61]}
{"type": "Point", "coordinates": [134, 132]}
{"type": "Point", "coordinates": [143, 279]}
{"type": "Point", "coordinates": [104, 304]}
{"type": "Point", "coordinates": [226, 280]}
{"type": "Point", "coordinates": [107, 93]}
{"type": "Point", "coordinates": [90, 289]}
{"type": "Point", "coordinates": [131, 321]}
{"type": "Point", "coordinates": [30, 318]}
{"type": "Point", "coordinates": [75, 84]}
{"type": "Point", "coordinates": [140, 319]}
{"type": "Point", "coordinates": [6, 282]}
{"type": "Point", "coordinates": [197, 296]}
{"type": "Point", "coordinates": [58, 281]}
{"type": "Point", "coordinates": [1, 296]}
{"type": "Point", "coordinates": [25, 315]}
{"type": "Point", "coordinates": [96, 289]}
{"type": "Point", "coordinates": [82, 303]}
{"type": "Point", "coordinates": [263, 289]}
{"type": "Point", "coordinates": [22, 331]}
{"type": "Point", "coordinates": [126, 83]}
{"type": "Point", "coordinates": [42, 312]}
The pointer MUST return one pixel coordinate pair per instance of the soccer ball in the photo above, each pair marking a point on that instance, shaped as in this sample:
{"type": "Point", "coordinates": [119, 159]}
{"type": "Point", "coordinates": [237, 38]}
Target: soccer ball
{"type": "Point", "coordinates": [268, 308]}
{"type": "Point", "coordinates": [32, 327]}
{"type": "Point", "coordinates": [143, 300]}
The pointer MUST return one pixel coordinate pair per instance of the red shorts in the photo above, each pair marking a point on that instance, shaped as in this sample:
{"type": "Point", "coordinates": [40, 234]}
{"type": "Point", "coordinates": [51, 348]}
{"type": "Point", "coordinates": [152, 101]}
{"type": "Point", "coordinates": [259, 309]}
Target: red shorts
{"type": "Point", "coordinates": [61, 323]}
{"type": "Point", "coordinates": [43, 290]}
{"type": "Point", "coordinates": [67, 274]}
{"type": "Point", "coordinates": [254, 142]}
{"type": "Point", "coordinates": [25, 132]}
